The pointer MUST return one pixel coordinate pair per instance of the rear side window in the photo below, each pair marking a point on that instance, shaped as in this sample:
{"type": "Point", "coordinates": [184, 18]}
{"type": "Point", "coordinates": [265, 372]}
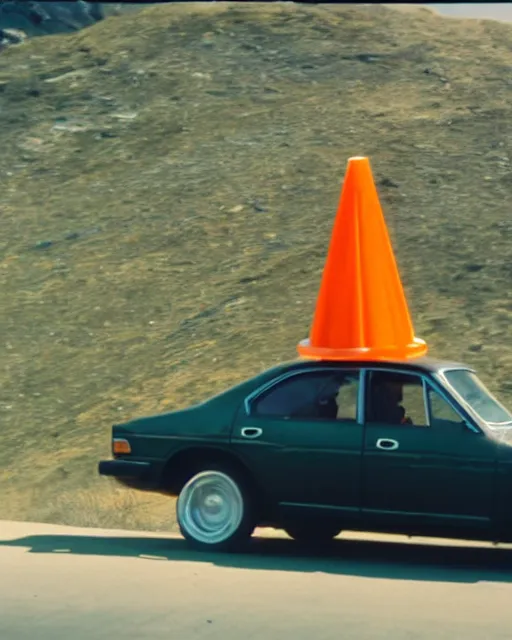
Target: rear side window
{"type": "Point", "coordinates": [318, 395]}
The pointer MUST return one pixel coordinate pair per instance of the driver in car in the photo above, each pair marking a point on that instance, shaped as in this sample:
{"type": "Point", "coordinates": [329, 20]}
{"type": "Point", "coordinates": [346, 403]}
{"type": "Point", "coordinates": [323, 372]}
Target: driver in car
{"type": "Point", "coordinates": [386, 399]}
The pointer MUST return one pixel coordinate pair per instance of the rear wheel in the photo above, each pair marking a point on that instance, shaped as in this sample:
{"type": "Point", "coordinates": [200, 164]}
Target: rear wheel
{"type": "Point", "coordinates": [312, 532]}
{"type": "Point", "coordinates": [214, 510]}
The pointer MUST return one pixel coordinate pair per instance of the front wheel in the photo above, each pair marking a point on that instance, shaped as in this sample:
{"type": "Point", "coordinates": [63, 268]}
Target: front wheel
{"type": "Point", "coordinates": [214, 511]}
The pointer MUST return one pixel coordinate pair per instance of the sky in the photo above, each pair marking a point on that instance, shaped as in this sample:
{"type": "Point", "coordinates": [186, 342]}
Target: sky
{"type": "Point", "coordinates": [491, 10]}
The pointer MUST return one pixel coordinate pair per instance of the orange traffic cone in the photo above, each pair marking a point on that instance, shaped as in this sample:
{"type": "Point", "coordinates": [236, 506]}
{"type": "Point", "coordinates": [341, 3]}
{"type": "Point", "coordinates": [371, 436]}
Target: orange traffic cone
{"type": "Point", "coordinates": [361, 312]}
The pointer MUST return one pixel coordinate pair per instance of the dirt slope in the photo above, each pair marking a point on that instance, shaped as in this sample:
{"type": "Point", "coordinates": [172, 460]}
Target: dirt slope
{"type": "Point", "coordinates": [169, 181]}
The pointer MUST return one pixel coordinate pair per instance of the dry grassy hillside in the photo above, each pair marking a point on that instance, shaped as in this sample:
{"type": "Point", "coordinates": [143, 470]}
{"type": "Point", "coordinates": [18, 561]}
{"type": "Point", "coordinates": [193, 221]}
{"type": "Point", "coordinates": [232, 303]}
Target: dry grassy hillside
{"type": "Point", "coordinates": [169, 181]}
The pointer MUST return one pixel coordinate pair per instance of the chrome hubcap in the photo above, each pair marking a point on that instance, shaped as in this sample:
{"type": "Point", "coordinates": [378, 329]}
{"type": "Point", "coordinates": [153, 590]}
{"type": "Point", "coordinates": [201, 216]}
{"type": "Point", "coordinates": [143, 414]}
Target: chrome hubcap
{"type": "Point", "coordinates": [210, 507]}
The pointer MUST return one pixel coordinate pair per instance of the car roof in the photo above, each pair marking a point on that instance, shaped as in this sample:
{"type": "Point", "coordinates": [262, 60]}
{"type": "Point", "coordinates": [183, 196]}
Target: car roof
{"type": "Point", "coordinates": [424, 364]}
{"type": "Point", "coordinates": [249, 386]}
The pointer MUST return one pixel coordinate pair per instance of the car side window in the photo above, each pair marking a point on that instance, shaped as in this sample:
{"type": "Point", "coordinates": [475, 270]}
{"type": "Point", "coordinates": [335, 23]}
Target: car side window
{"type": "Point", "coordinates": [318, 395]}
{"type": "Point", "coordinates": [442, 414]}
{"type": "Point", "coordinates": [396, 398]}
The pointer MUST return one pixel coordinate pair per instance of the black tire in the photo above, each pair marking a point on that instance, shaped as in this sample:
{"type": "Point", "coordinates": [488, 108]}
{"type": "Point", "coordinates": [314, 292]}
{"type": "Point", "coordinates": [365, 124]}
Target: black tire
{"type": "Point", "coordinates": [238, 504]}
{"type": "Point", "coordinates": [312, 533]}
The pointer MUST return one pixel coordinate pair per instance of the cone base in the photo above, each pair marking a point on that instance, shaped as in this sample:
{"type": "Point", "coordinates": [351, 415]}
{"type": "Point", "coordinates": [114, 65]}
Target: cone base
{"type": "Point", "coordinates": [415, 349]}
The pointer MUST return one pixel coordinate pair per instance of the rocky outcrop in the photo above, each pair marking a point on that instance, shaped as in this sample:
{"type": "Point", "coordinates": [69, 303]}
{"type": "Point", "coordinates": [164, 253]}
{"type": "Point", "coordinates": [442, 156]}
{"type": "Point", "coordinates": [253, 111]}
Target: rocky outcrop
{"type": "Point", "coordinates": [20, 18]}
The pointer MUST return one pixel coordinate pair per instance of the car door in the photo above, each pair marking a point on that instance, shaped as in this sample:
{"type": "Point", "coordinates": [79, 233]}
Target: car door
{"type": "Point", "coordinates": [426, 467]}
{"type": "Point", "coordinates": [304, 450]}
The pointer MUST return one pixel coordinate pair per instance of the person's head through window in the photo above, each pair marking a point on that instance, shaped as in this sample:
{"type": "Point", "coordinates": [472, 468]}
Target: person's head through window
{"type": "Point", "coordinates": [386, 398]}
{"type": "Point", "coordinates": [327, 403]}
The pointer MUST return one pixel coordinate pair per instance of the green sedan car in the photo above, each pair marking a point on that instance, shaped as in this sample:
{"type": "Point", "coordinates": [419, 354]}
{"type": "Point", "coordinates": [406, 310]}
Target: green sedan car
{"type": "Point", "coordinates": [415, 447]}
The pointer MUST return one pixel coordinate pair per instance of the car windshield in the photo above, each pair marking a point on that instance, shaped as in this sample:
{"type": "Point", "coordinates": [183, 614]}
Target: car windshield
{"type": "Point", "coordinates": [474, 393]}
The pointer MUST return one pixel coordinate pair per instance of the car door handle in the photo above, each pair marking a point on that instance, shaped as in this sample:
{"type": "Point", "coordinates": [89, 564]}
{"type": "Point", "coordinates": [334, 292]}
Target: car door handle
{"type": "Point", "coordinates": [251, 432]}
{"type": "Point", "coordinates": [387, 444]}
